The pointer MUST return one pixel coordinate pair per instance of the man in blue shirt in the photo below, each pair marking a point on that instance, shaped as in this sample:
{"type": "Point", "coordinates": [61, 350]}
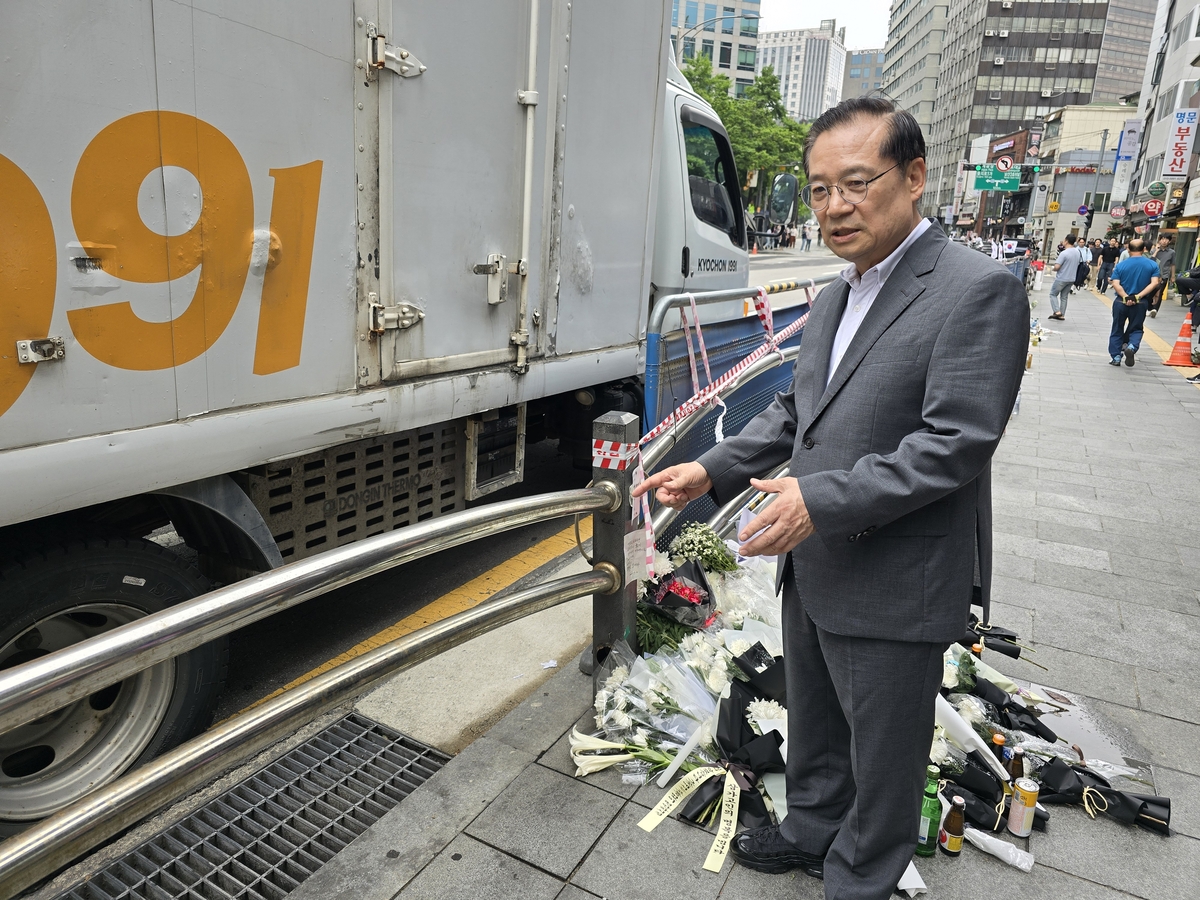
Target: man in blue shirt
{"type": "Point", "coordinates": [1135, 279]}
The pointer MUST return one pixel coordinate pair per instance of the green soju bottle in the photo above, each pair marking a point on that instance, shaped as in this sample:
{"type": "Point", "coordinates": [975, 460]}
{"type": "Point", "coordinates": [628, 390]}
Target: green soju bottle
{"type": "Point", "coordinates": [931, 814]}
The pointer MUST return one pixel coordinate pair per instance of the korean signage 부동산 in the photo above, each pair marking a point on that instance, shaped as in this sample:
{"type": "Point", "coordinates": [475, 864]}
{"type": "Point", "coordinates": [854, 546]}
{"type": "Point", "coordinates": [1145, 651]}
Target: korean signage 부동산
{"type": "Point", "coordinates": [1178, 154]}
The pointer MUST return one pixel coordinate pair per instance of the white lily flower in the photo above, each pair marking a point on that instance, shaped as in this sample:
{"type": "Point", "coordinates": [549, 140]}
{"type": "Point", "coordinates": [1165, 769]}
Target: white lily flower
{"type": "Point", "coordinates": [580, 742]}
{"type": "Point", "coordinates": [587, 764]}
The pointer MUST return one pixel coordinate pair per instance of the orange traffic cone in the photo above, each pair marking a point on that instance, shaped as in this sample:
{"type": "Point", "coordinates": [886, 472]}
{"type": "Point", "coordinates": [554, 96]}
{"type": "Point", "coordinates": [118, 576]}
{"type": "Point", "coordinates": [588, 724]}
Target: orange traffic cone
{"type": "Point", "coordinates": [754, 252]}
{"type": "Point", "coordinates": [1181, 354]}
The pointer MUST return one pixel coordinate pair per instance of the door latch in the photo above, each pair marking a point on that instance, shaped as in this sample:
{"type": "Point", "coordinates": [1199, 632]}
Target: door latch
{"type": "Point", "coordinates": [393, 318]}
{"type": "Point", "coordinates": [382, 55]}
{"type": "Point", "coordinates": [43, 350]}
{"type": "Point", "coordinates": [497, 269]}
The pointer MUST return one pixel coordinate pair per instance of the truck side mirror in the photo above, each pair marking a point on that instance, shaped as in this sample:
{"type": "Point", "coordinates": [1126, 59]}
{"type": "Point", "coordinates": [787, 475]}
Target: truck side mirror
{"type": "Point", "coordinates": [783, 198]}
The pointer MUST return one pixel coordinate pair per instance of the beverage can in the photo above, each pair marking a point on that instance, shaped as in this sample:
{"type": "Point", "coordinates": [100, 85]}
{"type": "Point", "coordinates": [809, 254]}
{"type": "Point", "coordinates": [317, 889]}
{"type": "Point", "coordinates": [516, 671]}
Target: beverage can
{"type": "Point", "coordinates": [1020, 814]}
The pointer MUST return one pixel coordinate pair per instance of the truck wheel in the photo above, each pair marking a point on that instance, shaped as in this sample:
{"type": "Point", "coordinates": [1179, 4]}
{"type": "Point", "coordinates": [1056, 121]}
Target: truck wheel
{"type": "Point", "coordinates": [67, 594]}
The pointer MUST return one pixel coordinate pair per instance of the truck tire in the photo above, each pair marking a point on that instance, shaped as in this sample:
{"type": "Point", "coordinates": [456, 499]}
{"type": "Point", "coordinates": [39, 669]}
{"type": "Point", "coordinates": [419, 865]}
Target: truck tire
{"type": "Point", "coordinates": [63, 595]}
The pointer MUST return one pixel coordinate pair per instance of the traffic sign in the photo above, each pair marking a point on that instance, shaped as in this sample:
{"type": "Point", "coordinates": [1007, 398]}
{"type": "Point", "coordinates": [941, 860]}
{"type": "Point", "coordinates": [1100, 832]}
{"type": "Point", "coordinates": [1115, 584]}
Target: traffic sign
{"type": "Point", "coordinates": [1053, 206]}
{"type": "Point", "coordinates": [1117, 212]}
{"type": "Point", "coordinates": [1154, 208]}
{"type": "Point", "coordinates": [1083, 210]}
{"type": "Point", "coordinates": [1156, 188]}
{"type": "Point", "coordinates": [1004, 163]}
{"type": "Point", "coordinates": [989, 178]}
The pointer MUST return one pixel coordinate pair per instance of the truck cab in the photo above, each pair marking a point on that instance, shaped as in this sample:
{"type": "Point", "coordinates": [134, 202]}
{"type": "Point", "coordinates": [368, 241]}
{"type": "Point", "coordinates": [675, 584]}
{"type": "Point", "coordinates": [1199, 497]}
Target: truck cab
{"type": "Point", "coordinates": [701, 230]}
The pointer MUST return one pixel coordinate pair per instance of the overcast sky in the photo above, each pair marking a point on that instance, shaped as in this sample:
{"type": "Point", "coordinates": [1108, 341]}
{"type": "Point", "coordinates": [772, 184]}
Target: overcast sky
{"type": "Point", "coordinates": [865, 20]}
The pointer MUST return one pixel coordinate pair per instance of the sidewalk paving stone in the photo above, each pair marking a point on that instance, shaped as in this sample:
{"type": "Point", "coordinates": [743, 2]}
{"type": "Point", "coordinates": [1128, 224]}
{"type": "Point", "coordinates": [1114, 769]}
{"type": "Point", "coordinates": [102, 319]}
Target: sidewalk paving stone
{"type": "Point", "coordinates": [468, 868]}
{"type": "Point", "coordinates": [666, 864]}
{"type": "Point", "coordinates": [547, 819]}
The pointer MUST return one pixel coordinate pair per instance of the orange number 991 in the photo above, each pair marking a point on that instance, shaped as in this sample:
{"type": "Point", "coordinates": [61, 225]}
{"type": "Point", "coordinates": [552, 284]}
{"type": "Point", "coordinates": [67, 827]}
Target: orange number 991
{"type": "Point", "coordinates": [105, 213]}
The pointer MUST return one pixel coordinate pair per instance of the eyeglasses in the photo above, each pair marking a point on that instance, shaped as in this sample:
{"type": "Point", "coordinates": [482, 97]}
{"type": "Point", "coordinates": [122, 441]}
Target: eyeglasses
{"type": "Point", "coordinates": [852, 188]}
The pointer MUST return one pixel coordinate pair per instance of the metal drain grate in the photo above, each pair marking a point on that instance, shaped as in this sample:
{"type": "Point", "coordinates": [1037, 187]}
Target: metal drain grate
{"type": "Point", "coordinates": [261, 839]}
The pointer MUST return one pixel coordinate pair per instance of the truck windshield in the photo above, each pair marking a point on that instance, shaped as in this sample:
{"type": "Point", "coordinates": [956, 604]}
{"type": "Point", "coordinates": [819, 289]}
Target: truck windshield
{"type": "Point", "coordinates": [712, 179]}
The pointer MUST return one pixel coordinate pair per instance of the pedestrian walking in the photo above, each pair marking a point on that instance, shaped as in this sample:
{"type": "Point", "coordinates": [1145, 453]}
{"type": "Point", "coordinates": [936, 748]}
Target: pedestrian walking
{"type": "Point", "coordinates": [807, 238]}
{"type": "Point", "coordinates": [1066, 268]}
{"type": "Point", "coordinates": [1097, 247]}
{"type": "Point", "coordinates": [1165, 257]}
{"type": "Point", "coordinates": [894, 412]}
{"type": "Point", "coordinates": [1108, 261]}
{"type": "Point", "coordinates": [1084, 268]}
{"type": "Point", "coordinates": [1134, 280]}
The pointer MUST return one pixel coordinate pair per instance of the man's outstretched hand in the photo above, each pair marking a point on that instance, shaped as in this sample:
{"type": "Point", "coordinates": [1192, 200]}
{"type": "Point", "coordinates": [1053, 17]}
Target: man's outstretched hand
{"type": "Point", "coordinates": [677, 485]}
{"type": "Point", "coordinates": [782, 525]}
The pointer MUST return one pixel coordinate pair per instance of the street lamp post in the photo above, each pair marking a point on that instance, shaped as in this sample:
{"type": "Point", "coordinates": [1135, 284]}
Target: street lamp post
{"type": "Point", "coordinates": [1095, 186]}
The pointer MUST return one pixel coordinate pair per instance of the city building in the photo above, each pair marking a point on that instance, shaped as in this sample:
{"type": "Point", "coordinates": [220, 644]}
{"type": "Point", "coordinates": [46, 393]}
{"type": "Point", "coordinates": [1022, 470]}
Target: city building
{"type": "Point", "coordinates": [1171, 83]}
{"type": "Point", "coordinates": [916, 30]}
{"type": "Point", "coordinates": [1070, 147]}
{"type": "Point", "coordinates": [864, 73]}
{"type": "Point", "coordinates": [726, 32]}
{"type": "Point", "coordinates": [1006, 63]}
{"type": "Point", "coordinates": [810, 63]}
{"type": "Point", "coordinates": [1071, 185]}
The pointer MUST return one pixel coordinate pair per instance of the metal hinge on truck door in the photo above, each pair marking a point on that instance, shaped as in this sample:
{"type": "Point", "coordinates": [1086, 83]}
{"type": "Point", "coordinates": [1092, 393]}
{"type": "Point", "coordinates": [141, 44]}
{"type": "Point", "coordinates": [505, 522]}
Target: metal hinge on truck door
{"type": "Point", "coordinates": [387, 318]}
{"type": "Point", "coordinates": [382, 55]}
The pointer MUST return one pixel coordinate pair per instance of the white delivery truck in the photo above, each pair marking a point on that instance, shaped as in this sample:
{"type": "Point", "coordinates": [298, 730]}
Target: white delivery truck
{"type": "Point", "coordinates": [289, 273]}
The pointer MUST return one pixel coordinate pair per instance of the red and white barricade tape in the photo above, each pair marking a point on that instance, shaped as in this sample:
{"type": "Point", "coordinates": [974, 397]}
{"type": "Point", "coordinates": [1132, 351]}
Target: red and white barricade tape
{"type": "Point", "coordinates": [613, 454]}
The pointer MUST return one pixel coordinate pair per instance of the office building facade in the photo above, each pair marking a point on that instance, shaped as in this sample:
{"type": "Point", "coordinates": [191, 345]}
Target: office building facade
{"type": "Point", "coordinates": [810, 64]}
{"type": "Point", "coordinates": [1006, 63]}
{"type": "Point", "coordinates": [864, 73]}
{"type": "Point", "coordinates": [913, 56]}
{"type": "Point", "coordinates": [726, 32]}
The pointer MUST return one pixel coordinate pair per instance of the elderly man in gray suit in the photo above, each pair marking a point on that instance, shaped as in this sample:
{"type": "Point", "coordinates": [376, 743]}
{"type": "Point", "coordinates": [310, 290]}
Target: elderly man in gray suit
{"type": "Point", "coordinates": [908, 371]}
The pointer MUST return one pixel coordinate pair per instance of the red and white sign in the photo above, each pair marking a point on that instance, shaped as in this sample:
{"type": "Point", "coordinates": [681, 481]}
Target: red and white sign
{"type": "Point", "coordinates": [1154, 208]}
{"type": "Point", "coordinates": [1004, 163]}
{"type": "Point", "coordinates": [1117, 212]}
{"type": "Point", "coordinates": [1178, 154]}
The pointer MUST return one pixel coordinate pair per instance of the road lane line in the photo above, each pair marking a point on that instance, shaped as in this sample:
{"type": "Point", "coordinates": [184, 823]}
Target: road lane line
{"type": "Point", "coordinates": [471, 594]}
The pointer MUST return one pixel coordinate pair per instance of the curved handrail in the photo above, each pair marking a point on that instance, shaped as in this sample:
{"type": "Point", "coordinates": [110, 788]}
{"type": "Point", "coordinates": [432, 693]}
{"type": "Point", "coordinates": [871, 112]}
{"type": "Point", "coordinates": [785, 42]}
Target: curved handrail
{"type": "Point", "coordinates": [37, 688]}
{"type": "Point", "coordinates": [53, 843]}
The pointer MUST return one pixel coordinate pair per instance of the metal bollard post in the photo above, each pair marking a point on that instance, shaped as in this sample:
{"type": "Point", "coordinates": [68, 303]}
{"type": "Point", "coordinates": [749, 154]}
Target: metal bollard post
{"type": "Point", "coordinates": [614, 616]}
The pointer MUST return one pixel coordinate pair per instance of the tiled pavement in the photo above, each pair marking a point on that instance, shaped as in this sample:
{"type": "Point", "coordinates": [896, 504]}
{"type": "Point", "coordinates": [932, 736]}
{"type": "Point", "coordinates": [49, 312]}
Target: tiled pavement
{"type": "Point", "coordinates": [1097, 563]}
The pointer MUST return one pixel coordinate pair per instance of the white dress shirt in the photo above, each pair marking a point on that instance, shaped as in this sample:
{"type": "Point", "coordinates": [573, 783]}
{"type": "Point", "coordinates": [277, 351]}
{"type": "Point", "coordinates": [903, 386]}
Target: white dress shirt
{"type": "Point", "coordinates": [863, 291]}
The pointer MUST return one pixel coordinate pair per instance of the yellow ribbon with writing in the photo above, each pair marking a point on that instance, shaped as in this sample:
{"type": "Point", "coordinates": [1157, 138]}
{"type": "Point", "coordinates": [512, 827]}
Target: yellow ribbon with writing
{"type": "Point", "coordinates": [727, 828]}
{"type": "Point", "coordinates": [683, 789]}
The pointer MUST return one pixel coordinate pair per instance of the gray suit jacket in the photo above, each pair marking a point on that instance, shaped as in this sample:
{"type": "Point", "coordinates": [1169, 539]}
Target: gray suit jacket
{"type": "Point", "coordinates": [892, 457]}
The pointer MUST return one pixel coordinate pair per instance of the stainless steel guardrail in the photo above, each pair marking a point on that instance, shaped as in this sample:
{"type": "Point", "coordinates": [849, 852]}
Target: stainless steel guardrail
{"type": "Point", "coordinates": [53, 843]}
{"type": "Point", "coordinates": [34, 689]}
{"type": "Point", "coordinates": [658, 316]}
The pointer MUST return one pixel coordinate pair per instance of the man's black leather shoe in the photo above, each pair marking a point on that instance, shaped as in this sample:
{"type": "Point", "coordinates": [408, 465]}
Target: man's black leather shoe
{"type": "Point", "coordinates": [766, 850]}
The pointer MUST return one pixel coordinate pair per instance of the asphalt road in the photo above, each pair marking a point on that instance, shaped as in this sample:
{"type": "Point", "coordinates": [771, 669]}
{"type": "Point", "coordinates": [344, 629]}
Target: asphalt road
{"type": "Point", "coordinates": [269, 654]}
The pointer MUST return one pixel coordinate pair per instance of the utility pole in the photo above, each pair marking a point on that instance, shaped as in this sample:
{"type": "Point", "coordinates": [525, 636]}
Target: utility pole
{"type": "Point", "coordinates": [1095, 185]}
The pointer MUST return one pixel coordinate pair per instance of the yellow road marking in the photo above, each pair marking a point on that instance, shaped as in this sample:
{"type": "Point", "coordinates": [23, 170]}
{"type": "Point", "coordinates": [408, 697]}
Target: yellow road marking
{"type": "Point", "coordinates": [461, 598]}
{"type": "Point", "coordinates": [1157, 344]}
